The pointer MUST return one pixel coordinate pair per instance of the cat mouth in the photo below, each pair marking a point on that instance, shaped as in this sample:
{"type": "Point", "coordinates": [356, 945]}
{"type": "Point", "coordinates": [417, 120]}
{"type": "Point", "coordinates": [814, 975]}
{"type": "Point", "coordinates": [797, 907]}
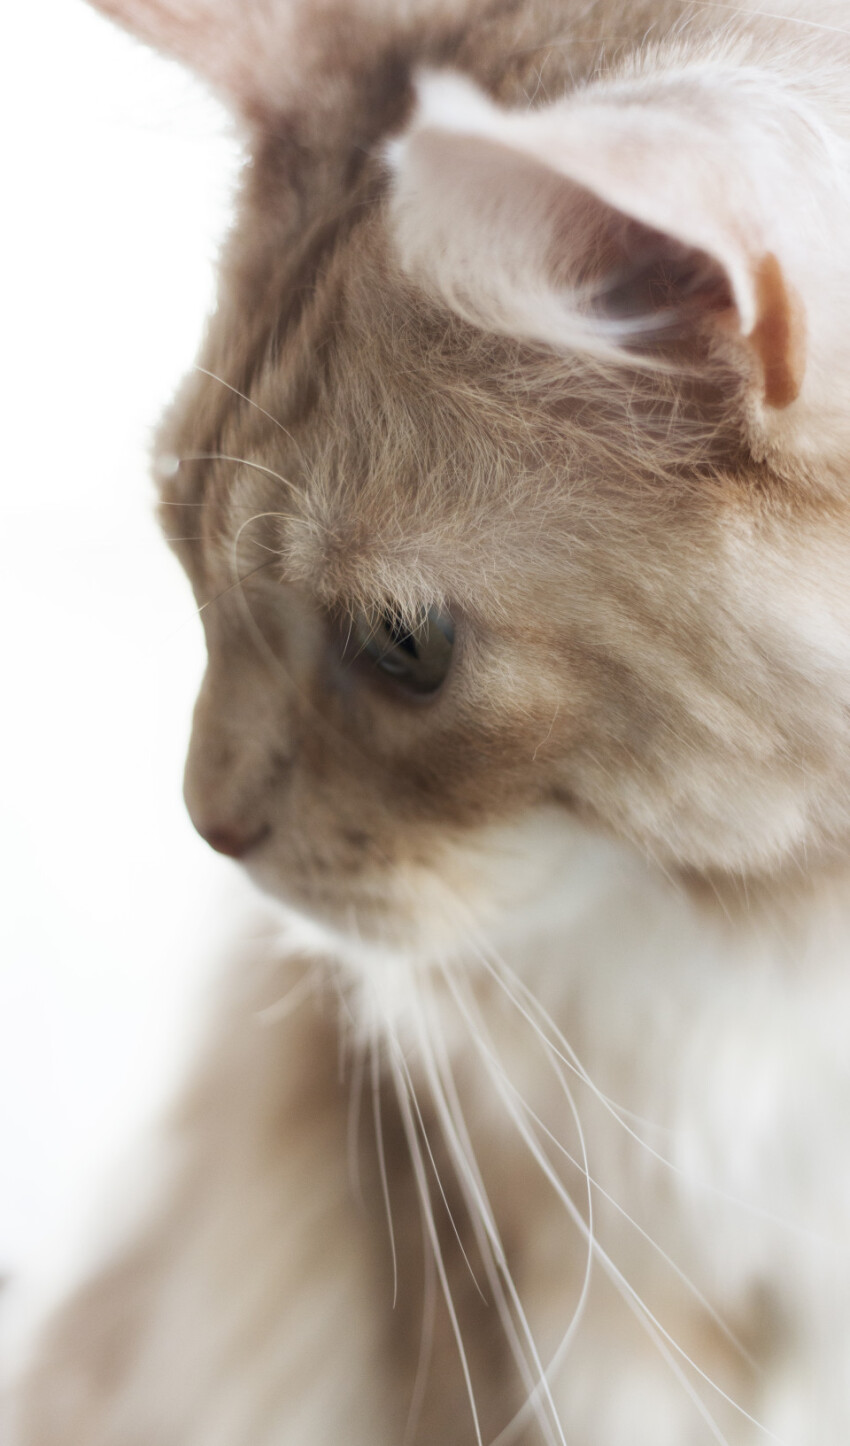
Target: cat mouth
{"type": "Point", "coordinates": [371, 914]}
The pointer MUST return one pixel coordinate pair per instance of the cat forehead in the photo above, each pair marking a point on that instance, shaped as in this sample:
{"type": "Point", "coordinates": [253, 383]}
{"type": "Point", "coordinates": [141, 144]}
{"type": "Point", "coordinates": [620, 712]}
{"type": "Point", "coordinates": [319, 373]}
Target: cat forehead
{"type": "Point", "coordinates": [385, 448]}
{"type": "Point", "coordinates": [420, 491]}
{"type": "Point", "coordinates": [375, 463]}
{"type": "Point", "coordinates": [366, 537]}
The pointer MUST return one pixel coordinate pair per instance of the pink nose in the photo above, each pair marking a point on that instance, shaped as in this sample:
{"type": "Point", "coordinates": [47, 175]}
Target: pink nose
{"type": "Point", "coordinates": [233, 841]}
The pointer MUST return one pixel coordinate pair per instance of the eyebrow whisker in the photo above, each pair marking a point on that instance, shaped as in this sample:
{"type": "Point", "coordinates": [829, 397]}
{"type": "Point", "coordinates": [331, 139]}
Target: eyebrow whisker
{"type": "Point", "coordinates": [237, 582]}
{"type": "Point", "coordinates": [245, 398]}
{"type": "Point", "coordinates": [243, 462]}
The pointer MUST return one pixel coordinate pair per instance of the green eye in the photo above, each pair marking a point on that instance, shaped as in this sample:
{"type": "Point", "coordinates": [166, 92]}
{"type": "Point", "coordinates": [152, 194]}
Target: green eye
{"type": "Point", "coordinates": [415, 657]}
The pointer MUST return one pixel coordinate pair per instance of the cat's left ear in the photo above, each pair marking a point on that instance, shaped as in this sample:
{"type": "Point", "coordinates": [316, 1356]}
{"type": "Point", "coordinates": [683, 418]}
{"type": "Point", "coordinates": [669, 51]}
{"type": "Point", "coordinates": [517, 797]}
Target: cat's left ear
{"type": "Point", "coordinates": [627, 216]}
{"type": "Point", "coordinates": [235, 45]}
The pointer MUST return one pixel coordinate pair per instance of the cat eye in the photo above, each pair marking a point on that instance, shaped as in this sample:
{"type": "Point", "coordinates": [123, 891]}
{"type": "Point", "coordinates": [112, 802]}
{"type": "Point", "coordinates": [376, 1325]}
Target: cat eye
{"type": "Point", "coordinates": [415, 657]}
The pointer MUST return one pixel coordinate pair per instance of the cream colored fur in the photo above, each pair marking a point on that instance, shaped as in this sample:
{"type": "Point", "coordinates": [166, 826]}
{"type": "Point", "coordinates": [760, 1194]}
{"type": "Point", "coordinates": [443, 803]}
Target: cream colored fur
{"type": "Point", "coordinates": [534, 1126]}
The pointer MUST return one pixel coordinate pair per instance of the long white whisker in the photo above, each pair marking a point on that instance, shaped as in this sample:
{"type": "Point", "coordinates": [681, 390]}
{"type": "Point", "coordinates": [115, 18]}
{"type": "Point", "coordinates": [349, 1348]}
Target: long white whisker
{"type": "Point", "coordinates": [568, 1057]}
{"type": "Point", "coordinates": [581, 1166]}
{"type": "Point", "coordinates": [289, 1001]}
{"type": "Point", "coordinates": [430, 1153]}
{"type": "Point", "coordinates": [694, 1290]}
{"type": "Point", "coordinates": [477, 1028]}
{"type": "Point", "coordinates": [244, 462]}
{"type": "Point", "coordinates": [542, 1384]}
{"type": "Point", "coordinates": [245, 398]}
{"type": "Point", "coordinates": [260, 641]}
{"type": "Point", "coordinates": [353, 1128]}
{"type": "Point", "coordinates": [428, 1213]}
{"type": "Point", "coordinates": [426, 1339]}
{"type": "Point", "coordinates": [446, 1100]}
{"type": "Point", "coordinates": [237, 582]}
{"type": "Point", "coordinates": [382, 1164]}
{"type": "Point", "coordinates": [772, 15]}
{"type": "Point", "coordinates": [623, 1285]}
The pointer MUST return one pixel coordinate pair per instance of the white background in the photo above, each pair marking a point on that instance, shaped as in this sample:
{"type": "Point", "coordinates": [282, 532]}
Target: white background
{"type": "Point", "coordinates": [117, 177]}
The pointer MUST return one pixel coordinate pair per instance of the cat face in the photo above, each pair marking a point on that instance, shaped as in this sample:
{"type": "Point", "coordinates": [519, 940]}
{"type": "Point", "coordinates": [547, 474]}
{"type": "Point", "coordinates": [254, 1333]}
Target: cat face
{"type": "Point", "coordinates": [515, 469]}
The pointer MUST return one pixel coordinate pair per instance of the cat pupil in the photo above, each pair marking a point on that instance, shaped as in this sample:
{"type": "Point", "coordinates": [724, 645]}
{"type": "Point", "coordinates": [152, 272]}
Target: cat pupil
{"type": "Point", "coordinates": [400, 634]}
{"type": "Point", "coordinates": [416, 657]}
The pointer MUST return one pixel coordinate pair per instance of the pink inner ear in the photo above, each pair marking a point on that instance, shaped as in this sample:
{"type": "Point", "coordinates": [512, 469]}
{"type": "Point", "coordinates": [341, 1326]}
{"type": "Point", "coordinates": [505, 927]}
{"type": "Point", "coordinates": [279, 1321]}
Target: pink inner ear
{"type": "Point", "coordinates": [633, 273]}
{"type": "Point", "coordinates": [604, 226]}
{"type": "Point", "coordinates": [779, 335]}
{"type": "Point", "coordinates": [664, 286]}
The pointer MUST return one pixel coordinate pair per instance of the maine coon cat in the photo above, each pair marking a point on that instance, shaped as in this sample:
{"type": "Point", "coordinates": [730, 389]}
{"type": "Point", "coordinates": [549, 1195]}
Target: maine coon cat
{"type": "Point", "coordinates": [513, 487]}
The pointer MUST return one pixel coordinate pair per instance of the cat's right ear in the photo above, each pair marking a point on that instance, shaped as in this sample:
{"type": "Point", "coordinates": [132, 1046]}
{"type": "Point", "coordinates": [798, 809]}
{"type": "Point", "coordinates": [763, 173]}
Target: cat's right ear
{"type": "Point", "coordinates": [234, 45]}
{"type": "Point", "coordinates": [679, 208]}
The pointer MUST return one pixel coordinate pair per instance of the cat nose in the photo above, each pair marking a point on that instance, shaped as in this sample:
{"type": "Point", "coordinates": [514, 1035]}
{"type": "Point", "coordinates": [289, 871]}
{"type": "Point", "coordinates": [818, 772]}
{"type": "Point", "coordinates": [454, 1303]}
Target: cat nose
{"type": "Point", "coordinates": [231, 766]}
{"type": "Point", "coordinates": [230, 839]}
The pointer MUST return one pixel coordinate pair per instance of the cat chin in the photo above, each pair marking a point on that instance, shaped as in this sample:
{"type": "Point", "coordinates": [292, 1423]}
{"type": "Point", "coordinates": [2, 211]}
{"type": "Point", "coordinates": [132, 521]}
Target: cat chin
{"type": "Point", "coordinates": [492, 888]}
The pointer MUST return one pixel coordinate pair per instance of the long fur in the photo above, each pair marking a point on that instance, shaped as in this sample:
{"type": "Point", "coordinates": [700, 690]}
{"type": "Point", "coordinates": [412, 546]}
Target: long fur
{"type": "Point", "coordinates": [533, 1126]}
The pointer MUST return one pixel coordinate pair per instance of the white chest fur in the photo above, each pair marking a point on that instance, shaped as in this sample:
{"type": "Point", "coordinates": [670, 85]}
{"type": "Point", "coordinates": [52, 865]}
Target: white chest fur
{"type": "Point", "coordinates": [696, 1067]}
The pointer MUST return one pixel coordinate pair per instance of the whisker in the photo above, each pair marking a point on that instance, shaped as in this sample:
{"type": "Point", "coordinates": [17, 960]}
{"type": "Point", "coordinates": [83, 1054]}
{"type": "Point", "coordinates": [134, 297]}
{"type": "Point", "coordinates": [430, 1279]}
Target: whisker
{"type": "Point", "coordinates": [244, 462]}
{"type": "Point", "coordinates": [355, 1101]}
{"type": "Point", "coordinates": [446, 1099]}
{"type": "Point", "coordinates": [581, 1166]}
{"type": "Point", "coordinates": [701, 1299]}
{"type": "Point", "coordinates": [817, 25]}
{"type": "Point", "coordinates": [245, 398]}
{"type": "Point", "coordinates": [428, 1215]}
{"type": "Point", "coordinates": [382, 1164]}
{"type": "Point", "coordinates": [625, 1288]}
{"type": "Point", "coordinates": [261, 643]}
{"type": "Point", "coordinates": [237, 582]}
{"type": "Point", "coordinates": [540, 1385]}
{"type": "Point", "coordinates": [426, 1340]}
{"type": "Point", "coordinates": [486, 1232]}
{"type": "Point", "coordinates": [576, 1067]}
{"type": "Point", "coordinates": [449, 1212]}
{"type": "Point", "coordinates": [287, 1004]}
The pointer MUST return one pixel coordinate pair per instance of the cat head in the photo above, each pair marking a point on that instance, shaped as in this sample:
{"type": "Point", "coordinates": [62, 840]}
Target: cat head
{"type": "Point", "coordinates": [516, 460]}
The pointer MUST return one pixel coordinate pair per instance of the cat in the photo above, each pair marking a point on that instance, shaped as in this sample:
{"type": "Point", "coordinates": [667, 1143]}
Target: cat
{"type": "Point", "coordinates": [512, 484]}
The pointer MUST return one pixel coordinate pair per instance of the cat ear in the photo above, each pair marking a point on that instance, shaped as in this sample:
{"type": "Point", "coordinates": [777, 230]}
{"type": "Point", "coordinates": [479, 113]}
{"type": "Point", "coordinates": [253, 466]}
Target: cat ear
{"type": "Point", "coordinates": [235, 45]}
{"type": "Point", "coordinates": [610, 222]}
